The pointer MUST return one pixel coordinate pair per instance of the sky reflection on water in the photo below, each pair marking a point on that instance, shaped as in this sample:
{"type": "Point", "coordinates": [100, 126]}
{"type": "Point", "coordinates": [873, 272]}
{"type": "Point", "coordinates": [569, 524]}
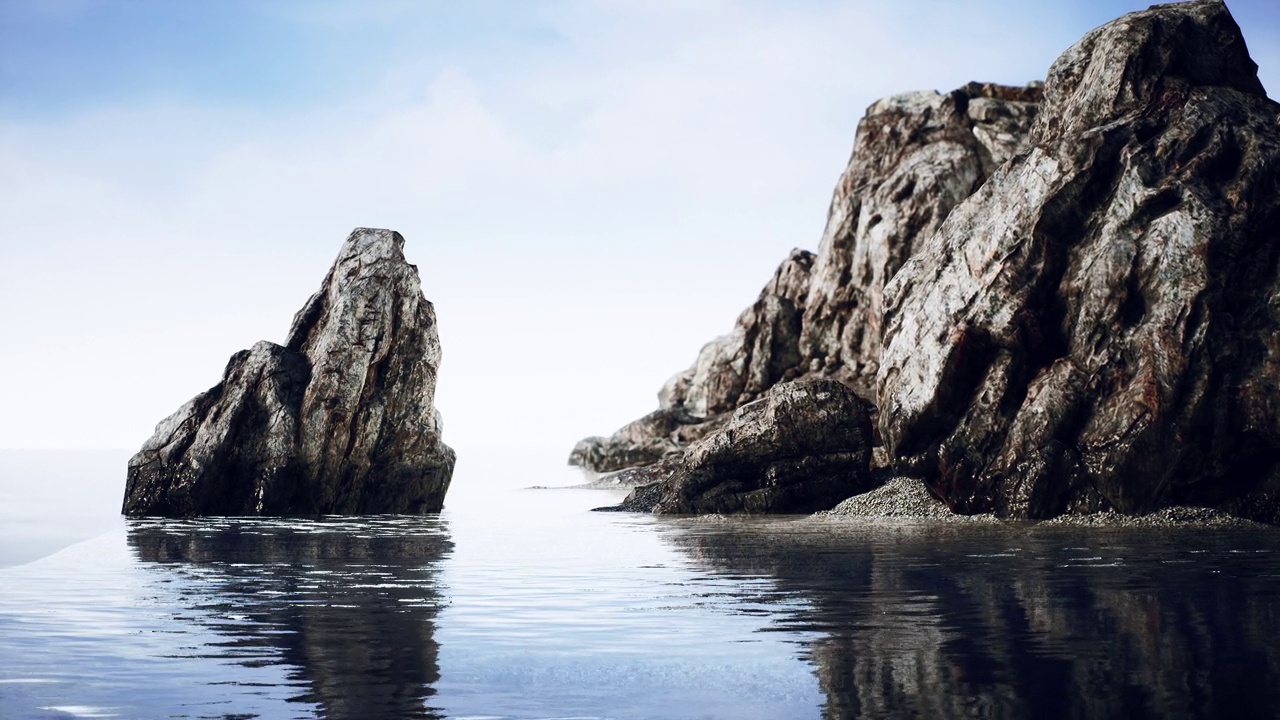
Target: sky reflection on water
{"type": "Point", "coordinates": [523, 604]}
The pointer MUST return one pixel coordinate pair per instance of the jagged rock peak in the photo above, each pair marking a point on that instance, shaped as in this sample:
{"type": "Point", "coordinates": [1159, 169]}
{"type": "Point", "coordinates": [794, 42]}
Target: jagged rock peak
{"type": "Point", "coordinates": [340, 420]}
{"type": "Point", "coordinates": [1095, 328]}
{"type": "Point", "coordinates": [1145, 62]}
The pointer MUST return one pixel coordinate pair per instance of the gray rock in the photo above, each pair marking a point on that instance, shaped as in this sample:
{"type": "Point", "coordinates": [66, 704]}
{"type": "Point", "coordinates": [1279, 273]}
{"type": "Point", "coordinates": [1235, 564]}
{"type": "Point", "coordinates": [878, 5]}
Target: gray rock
{"type": "Point", "coordinates": [663, 432]}
{"type": "Point", "coordinates": [1098, 327]}
{"type": "Point", "coordinates": [763, 347]}
{"type": "Point", "coordinates": [339, 421]}
{"type": "Point", "coordinates": [803, 447]}
{"type": "Point", "coordinates": [916, 156]}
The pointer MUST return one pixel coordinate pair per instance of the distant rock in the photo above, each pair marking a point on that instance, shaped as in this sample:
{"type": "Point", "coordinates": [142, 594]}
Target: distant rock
{"type": "Point", "coordinates": [916, 156]}
{"type": "Point", "coordinates": [803, 447]}
{"type": "Point", "coordinates": [340, 420]}
{"type": "Point", "coordinates": [1098, 327]}
{"type": "Point", "coordinates": [662, 433]}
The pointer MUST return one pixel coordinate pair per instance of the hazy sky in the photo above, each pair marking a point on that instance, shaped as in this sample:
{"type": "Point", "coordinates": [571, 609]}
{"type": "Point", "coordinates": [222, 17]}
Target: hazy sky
{"type": "Point", "coordinates": [591, 190]}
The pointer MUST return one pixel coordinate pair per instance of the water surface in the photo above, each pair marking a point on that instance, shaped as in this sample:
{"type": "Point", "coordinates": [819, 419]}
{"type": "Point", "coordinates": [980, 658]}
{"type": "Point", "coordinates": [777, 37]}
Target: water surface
{"type": "Point", "coordinates": [519, 603]}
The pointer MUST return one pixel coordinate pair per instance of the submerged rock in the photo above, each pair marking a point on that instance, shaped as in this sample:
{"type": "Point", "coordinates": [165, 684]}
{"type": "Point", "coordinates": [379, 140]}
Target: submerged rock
{"type": "Point", "coordinates": [916, 156]}
{"type": "Point", "coordinates": [1098, 327]}
{"type": "Point", "coordinates": [340, 420]}
{"type": "Point", "coordinates": [803, 447]}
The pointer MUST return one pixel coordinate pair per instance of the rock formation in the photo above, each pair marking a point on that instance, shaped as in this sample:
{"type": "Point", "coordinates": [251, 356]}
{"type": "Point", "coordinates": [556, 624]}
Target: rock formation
{"type": "Point", "coordinates": [1099, 326]}
{"type": "Point", "coordinates": [804, 446]}
{"type": "Point", "coordinates": [915, 157]}
{"type": "Point", "coordinates": [340, 420]}
{"type": "Point", "coordinates": [1069, 305]}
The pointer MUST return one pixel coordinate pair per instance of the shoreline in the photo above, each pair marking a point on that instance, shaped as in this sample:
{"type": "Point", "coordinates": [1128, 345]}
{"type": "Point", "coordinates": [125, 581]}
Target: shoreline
{"type": "Point", "coordinates": [907, 500]}
{"type": "Point", "coordinates": [903, 498]}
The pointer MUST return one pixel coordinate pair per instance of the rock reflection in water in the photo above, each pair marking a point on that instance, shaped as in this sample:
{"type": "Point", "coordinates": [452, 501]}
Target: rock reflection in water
{"type": "Point", "coordinates": [1020, 621]}
{"type": "Point", "coordinates": [349, 604]}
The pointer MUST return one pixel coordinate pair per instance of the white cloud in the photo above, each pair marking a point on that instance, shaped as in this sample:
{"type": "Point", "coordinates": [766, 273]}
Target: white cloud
{"type": "Point", "coordinates": [585, 213]}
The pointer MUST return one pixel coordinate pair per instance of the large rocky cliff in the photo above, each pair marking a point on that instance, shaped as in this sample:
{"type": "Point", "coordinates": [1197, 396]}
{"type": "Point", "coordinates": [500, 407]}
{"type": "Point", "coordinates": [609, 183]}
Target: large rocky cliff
{"type": "Point", "coordinates": [1099, 325]}
{"type": "Point", "coordinates": [915, 157]}
{"type": "Point", "coordinates": [1057, 298]}
{"type": "Point", "coordinates": [339, 420]}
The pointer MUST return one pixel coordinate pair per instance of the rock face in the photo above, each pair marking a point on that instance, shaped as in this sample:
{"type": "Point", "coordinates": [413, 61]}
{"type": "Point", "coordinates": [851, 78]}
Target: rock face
{"type": "Point", "coordinates": [916, 156]}
{"type": "Point", "coordinates": [340, 420]}
{"type": "Point", "coordinates": [1070, 305]}
{"type": "Point", "coordinates": [803, 447]}
{"type": "Point", "coordinates": [1098, 327]}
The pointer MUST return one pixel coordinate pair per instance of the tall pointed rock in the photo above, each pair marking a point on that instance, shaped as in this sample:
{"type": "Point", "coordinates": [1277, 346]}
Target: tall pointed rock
{"type": "Point", "coordinates": [341, 420]}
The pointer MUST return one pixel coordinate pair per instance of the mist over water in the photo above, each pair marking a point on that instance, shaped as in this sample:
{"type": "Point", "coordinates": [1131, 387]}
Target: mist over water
{"type": "Point", "coordinates": [50, 499]}
{"type": "Point", "coordinates": [518, 603]}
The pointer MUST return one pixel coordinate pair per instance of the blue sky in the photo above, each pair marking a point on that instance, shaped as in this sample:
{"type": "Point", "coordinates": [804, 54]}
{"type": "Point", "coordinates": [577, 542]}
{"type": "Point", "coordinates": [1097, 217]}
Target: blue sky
{"type": "Point", "coordinates": [591, 189]}
{"type": "Point", "coordinates": [66, 56]}
{"type": "Point", "coordinates": [60, 57]}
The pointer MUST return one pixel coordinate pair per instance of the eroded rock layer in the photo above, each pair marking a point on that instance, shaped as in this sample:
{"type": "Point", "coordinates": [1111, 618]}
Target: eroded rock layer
{"type": "Point", "coordinates": [1099, 326]}
{"type": "Point", "coordinates": [340, 420]}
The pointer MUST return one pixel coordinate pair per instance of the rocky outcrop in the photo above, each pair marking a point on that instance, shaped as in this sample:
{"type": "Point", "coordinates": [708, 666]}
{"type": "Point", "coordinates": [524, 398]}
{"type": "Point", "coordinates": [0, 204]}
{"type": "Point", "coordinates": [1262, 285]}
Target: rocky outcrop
{"type": "Point", "coordinates": [665, 432]}
{"type": "Point", "coordinates": [340, 420]}
{"type": "Point", "coordinates": [803, 447]}
{"type": "Point", "coordinates": [916, 156]}
{"type": "Point", "coordinates": [1098, 327]}
{"type": "Point", "coordinates": [1059, 308]}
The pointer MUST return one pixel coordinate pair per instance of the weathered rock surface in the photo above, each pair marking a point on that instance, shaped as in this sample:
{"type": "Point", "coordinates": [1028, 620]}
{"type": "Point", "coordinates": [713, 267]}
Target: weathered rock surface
{"type": "Point", "coordinates": [1098, 327]}
{"type": "Point", "coordinates": [340, 420]}
{"type": "Point", "coordinates": [916, 156]}
{"type": "Point", "coordinates": [803, 447]}
{"type": "Point", "coordinates": [661, 433]}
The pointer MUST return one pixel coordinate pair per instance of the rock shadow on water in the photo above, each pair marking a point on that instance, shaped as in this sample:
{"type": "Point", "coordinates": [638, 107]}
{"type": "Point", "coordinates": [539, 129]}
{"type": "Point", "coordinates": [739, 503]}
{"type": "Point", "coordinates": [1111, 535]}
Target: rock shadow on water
{"type": "Point", "coordinates": [922, 619]}
{"type": "Point", "coordinates": [348, 605]}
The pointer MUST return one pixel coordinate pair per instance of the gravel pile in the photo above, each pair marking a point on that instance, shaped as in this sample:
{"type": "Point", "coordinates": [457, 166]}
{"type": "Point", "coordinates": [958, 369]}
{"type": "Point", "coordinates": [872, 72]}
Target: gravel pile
{"type": "Point", "coordinates": [1178, 515]}
{"type": "Point", "coordinates": [905, 497]}
{"type": "Point", "coordinates": [901, 497]}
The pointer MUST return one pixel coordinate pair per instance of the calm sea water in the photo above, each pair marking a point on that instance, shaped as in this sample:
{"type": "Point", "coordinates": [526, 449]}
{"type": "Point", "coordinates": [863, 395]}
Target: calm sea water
{"type": "Point", "coordinates": [518, 603]}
